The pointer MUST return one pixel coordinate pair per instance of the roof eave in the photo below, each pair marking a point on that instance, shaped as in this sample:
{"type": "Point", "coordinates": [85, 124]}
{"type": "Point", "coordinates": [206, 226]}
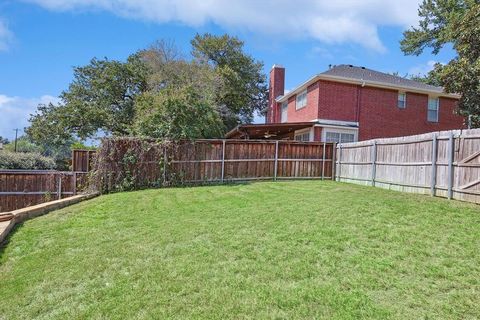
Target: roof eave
{"type": "Point", "coordinates": [233, 132]}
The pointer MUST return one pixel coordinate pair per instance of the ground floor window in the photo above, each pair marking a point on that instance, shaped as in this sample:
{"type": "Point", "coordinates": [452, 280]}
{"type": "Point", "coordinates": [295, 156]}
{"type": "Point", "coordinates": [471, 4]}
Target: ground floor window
{"type": "Point", "coordinates": [304, 136]}
{"type": "Point", "coordinates": [339, 137]}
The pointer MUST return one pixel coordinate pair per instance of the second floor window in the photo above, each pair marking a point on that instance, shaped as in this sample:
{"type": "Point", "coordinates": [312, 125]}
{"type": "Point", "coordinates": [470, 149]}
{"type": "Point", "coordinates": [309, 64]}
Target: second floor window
{"type": "Point", "coordinates": [432, 115]}
{"type": "Point", "coordinates": [402, 100]}
{"type": "Point", "coordinates": [301, 100]}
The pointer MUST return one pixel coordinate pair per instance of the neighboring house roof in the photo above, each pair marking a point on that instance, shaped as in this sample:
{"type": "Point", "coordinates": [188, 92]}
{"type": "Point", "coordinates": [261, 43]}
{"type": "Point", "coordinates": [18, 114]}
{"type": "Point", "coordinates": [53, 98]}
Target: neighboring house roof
{"type": "Point", "coordinates": [363, 76]}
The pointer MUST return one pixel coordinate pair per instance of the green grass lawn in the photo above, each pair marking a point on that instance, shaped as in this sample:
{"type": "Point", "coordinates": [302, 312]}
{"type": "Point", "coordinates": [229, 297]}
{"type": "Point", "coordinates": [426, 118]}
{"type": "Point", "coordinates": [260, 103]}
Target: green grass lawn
{"type": "Point", "coordinates": [305, 249]}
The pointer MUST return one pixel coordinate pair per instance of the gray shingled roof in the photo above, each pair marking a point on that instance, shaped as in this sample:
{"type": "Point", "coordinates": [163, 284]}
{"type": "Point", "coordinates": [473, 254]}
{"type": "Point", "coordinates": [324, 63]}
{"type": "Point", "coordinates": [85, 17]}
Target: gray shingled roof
{"type": "Point", "coordinates": [362, 73]}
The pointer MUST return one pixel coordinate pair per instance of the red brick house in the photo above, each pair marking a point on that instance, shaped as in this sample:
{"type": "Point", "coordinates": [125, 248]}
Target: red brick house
{"type": "Point", "coordinates": [348, 103]}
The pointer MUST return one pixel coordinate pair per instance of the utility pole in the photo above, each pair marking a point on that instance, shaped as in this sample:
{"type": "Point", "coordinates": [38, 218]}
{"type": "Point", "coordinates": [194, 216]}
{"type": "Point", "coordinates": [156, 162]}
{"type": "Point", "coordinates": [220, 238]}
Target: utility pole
{"type": "Point", "coordinates": [16, 136]}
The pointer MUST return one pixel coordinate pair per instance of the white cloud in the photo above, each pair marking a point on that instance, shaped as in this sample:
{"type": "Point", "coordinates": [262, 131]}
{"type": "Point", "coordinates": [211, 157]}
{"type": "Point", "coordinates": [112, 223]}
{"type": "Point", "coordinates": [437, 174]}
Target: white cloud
{"type": "Point", "coordinates": [423, 69]}
{"type": "Point", "coordinates": [5, 36]}
{"type": "Point", "coordinates": [320, 52]}
{"type": "Point", "coordinates": [15, 111]}
{"type": "Point", "coordinates": [340, 21]}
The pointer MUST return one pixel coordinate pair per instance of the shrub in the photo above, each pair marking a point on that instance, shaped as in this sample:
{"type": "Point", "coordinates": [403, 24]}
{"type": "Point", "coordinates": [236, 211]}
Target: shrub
{"type": "Point", "coordinates": [27, 161]}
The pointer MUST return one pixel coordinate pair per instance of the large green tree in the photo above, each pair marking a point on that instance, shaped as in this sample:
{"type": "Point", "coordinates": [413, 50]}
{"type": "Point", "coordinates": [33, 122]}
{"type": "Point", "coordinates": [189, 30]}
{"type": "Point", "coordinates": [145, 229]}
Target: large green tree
{"type": "Point", "coordinates": [180, 100]}
{"type": "Point", "coordinates": [432, 77]}
{"type": "Point", "coordinates": [180, 113]}
{"type": "Point", "coordinates": [455, 22]}
{"type": "Point", "coordinates": [101, 97]}
{"type": "Point", "coordinates": [245, 86]}
{"type": "Point", "coordinates": [220, 86]}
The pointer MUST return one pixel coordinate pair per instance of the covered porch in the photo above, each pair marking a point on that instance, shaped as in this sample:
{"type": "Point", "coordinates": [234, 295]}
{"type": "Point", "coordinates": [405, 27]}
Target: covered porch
{"type": "Point", "coordinates": [269, 131]}
{"type": "Point", "coordinates": [318, 130]}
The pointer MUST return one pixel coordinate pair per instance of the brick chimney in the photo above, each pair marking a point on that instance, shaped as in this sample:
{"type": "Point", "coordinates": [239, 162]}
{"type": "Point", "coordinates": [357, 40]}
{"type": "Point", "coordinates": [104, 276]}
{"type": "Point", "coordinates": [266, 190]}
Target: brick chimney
{"type": "Point", "coordinates": [276, 88]}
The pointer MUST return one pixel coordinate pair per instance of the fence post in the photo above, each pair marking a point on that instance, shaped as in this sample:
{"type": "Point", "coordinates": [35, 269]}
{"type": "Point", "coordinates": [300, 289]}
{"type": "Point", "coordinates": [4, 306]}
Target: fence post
{"type": "Point", "coordinates": [59, 187]}
{"type": "Point", "coordinates": [73, 160]}
{"type": "Point", "coordinates": [164, 164]}
{"type": "Point", "coordinates": [88, 161]}
{"type": "Point", "coordinates": [223, 160]}
{"type": "Point", "coordinates": [275, 167]}
{"type": "Point", "coordinates": [323, 161]}
{"type": "Point", "coordinates": [374, 160]}
{"type": "Point", "coordinates": [451, 153]}
{"type": "Point", "coordinates": [334, 151]}
{"type": "Point", "coordinates": [74, 177]}
{"type": "Point", "coordinates": [434, 165]}
{"type": "Point", "coordinates": [339, 161]}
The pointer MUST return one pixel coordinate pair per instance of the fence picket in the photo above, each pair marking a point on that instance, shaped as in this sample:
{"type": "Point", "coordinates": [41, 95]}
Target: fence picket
{"type": "Point", "coordinates": [434, 165]}
{"type": "Point", "coordinates": [451, 154]}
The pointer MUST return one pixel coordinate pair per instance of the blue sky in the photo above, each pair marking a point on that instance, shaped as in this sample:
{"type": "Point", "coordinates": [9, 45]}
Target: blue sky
{"type": "Point", "coordinates": [41, 40]}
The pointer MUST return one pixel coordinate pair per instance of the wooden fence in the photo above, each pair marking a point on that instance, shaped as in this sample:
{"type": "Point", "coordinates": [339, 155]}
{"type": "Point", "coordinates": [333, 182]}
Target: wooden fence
{"type": "Point", "coordinates": [82, 160]}
{"type": "Point", "coordinates": [220, 160]}
{"type": "Point", "coordinates": [23, 188]}
{"type": "Point", "coordinates": [203, 161]}
{"type": "Point", "coordinates": [445, 164]}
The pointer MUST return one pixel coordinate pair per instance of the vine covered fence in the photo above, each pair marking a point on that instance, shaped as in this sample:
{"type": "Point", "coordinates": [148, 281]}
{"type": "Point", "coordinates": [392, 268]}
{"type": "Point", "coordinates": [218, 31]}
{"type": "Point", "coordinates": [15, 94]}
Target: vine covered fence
{"type": "Point", "coordinates": [133, 163]}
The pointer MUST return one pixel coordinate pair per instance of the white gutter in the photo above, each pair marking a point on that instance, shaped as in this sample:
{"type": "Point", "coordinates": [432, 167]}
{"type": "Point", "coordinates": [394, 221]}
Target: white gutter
{"type": "Point", "coordinates": [341, 123]}
{"type": "Point", "coordinates": [363, 83]}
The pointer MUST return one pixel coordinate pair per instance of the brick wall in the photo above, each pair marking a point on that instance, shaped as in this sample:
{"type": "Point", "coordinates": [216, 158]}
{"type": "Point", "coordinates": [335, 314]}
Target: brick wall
{"type": "Point", "coordinates": [381, 118]}
{"type": "Point", "coordinates": [307, 113]}
{"type": "Point", "coordinates": [317, 133]}
{"type": "Point", "coordinates": [337, 101]}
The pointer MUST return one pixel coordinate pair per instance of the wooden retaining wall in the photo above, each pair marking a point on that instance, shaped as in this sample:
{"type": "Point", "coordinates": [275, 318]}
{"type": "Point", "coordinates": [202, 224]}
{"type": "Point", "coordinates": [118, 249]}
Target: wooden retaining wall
{"type": "Point", "coordinates": [9, 219]}
{"type": "Point", "coordinates": [23, 188]}
{"type": "Point", "coordinates": [445, 164]}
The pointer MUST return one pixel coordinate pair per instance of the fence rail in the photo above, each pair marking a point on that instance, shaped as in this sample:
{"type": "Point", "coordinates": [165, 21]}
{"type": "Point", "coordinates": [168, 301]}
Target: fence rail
{"type": "Point", "coordinates": [251, 160]}
{"type": "Point", "coordinates": [23, 188]}
{"type": "Point", "coordinates": [445, 164]}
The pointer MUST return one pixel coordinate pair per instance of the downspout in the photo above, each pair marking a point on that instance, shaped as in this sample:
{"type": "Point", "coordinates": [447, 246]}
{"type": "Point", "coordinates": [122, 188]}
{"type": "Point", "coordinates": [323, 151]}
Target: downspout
{"type": "Point", "coordinates": [359, 98]}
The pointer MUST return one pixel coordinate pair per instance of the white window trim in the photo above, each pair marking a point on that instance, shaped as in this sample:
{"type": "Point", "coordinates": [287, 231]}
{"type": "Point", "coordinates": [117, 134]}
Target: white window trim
{"type": "Point", "coordinates": [303, 131]}
{"type": "Point", "coordinates": [405, 101]}
{"type": "Point", "coordinates": [339, 130]}
{"type": "Point", "coordinates": [303, 92]}
{"type": "Point", "coordinates": [438, 108]}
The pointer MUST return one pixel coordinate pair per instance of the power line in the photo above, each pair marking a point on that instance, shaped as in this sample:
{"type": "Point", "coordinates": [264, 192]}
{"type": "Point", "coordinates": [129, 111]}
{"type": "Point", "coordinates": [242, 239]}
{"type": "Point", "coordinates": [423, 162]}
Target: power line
{"type": "Point", "coordinates": [16, 136]}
